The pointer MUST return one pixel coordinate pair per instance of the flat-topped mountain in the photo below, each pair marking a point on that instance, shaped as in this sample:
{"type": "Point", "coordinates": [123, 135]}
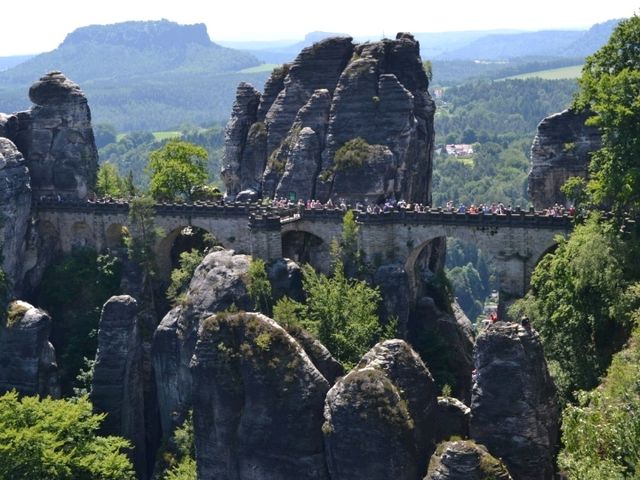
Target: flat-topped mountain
{"type": "Point", "coordinates": [140, 75]}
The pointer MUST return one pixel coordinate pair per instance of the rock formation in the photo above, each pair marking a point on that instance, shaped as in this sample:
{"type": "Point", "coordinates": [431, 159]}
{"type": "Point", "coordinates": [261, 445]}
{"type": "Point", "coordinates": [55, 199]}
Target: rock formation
{"type": "Point", "coordinates": [452, 419]}
{"type": "Point", "coordinates": [390, 401]}
{"type": "Point", "coordinates": [217, 284]}
{"type": "Point", "coordinates": [257, 402]}
{"type": "Point", "coordinates": [321, 358]}
{"type": "Point", "coordinates": [15, 209]}
{"type": "Point", "coordinates": [561, 149]}
{"type": "Point", "coordinates": [514, 409]}
{"type": "Point", "coordinates": [56, 138]}
{"type": "Point", "coordinates": [465, 460]}
{"type": "Point", "coordinates": [27, 358]}
{"type": "Point", "coordinates": [117, 386]}
{"type": "Point", "coordinates": [335, 92]}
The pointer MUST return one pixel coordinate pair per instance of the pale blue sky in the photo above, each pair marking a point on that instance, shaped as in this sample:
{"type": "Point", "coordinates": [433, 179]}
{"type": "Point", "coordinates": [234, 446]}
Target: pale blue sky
{"type": "Point", "coordinates": [32, 26]}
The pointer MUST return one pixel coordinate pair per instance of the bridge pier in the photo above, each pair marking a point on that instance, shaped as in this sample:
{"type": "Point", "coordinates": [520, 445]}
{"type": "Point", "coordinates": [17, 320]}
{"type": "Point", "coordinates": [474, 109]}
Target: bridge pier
{"type": "Point", "coordinates": [266, 237]}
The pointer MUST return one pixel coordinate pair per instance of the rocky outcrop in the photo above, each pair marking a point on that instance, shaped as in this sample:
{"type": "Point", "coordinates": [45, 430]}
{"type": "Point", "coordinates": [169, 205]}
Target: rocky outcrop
{"type": "Point", "coordinates": [406, 370]}
{"type": "Point", "coordinates": [335, 92]}
{"type": "Point", "coordinates": [561, 149]}
{"type": "Point", "coordinates": [285, 277]}
{"type": "Point", "coordinates": [393, 283]}
{"type": "Point", "coordinates": [257, 402]}
{"type": "Point", "coordinates": [465, 460]}
{"type": "Point", "coordinates": [56, 138]}
{"type": "Point", "coordinates": [15, 209]}
{"type": "Point", "coordinates": [117, 386]}
{"type": "Point", "coordinates": [27, 358]}
{"type": "Point", "coordinates": [452, 419]}
{"type": "Point", "coordinates": [366, 405]}
{"type": "Point", "coordinates": [243, 116]}
{"type": "Point", "coordinates": [389, 400]}
{"type": "Point", "coordinates": [321, 357]}
{"type": "Point", "coordinates": [514, 409]}
{"type": "Point", "coordinates": [217, 284]}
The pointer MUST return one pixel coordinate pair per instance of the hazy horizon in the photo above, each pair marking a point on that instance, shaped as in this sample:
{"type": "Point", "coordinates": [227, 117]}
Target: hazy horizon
{"type": "Point", "coordinates": [43, 26]}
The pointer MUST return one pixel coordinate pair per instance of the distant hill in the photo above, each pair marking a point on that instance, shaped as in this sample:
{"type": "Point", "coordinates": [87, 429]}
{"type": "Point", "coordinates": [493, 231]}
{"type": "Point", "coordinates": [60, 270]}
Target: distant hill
{"type": "Point", "coordinates": [544, 43]}
{"type": "Point", "coordinates": [12, 61]}
{"type": "Point", "coordinates": [150, 75]}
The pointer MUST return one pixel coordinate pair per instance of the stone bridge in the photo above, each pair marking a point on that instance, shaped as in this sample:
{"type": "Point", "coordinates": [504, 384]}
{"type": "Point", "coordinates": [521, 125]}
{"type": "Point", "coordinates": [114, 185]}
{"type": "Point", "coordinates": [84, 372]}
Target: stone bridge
{"type": "Point", "coordinates": [516, 241]}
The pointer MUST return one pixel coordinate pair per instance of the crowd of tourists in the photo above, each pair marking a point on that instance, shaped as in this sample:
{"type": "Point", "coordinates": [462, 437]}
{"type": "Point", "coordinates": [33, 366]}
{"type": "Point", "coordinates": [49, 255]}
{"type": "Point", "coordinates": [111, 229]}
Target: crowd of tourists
{"type": "Point", "coordinates": [391, 205]}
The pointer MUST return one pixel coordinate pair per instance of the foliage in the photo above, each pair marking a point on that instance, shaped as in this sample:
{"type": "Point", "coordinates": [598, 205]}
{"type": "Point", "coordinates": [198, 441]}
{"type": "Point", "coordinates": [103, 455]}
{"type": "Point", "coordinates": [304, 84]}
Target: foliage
{"type": "Point", "coordinates": [89, 281]}
{"type": "Point", "coordinates": [104, 134]}
{"type": "Point", "coordinates": [145, 234]}
{"type": "Point", "coordinates": [84, 379]}
{"type": "Point", "coordinates": [131, 152]}
{"type": "Point", "coordinates": [610, 87]}
{"type": "Point", "coordinates": [57, 439]}
{"type": "Point", "coordinates": [340, 312]}
{"type": "Point", "coordinates": [601, 435]}
{"type": "Point", "coordinates": [181, 276]}
{"type": "Point", "coordinates": [109, 182]}
{"type": "Point", "coordinates": [176, 169]}
{"type": "Point", "coordinates": [346, 250]}
{"type": "Point", "coordinates": [577, 306]}
{"type": "Point", "coordinates": [575, 189]}
{"type": "Point", "coordinates": [472, 276]}
{"type": "Point", "coordinates": [184, 467]}
{"type": "Point", "coordinates": [353, 154]}
{"type": "Point", "coordinates": [258, 286]}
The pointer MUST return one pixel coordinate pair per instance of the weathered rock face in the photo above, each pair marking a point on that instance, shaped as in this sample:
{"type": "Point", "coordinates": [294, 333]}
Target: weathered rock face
{"type": "Point", "coordinates": [561, 149]}
{"type": "Point", "coordinates": [15, 208]}
{"type": "Point", "coordinates": [452, 419]}
{"type": "Point", "coordinates": [465, 460]}
{"type": "Point", "coordinates": [56, 138]}
{"type": "Point", "coordinates": [406, 370]}
{"type": "Point", "coordinates": [389, 400]}
{"type": "Point", "coordinates": [321, 357]}
{"type": "Point", "coordinates": [334, 92]}
{"type": "Point", "coordinates": [243, 117]}
{"type": "Point", "coordinates": [117, 386]}
{"type": "Point", "coordinates": [27, 358]}
{"type": "Point", "coordinates": [217, 283]}
{"type": "Point", "coordinates": [257, 402]}
{"type": "Point", "coordinates": [514, 409]}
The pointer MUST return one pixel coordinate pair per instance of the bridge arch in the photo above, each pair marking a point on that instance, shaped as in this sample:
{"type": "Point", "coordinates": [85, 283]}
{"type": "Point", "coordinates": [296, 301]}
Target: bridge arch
{"type": "Point", "coordinates": [82, 235]}
{"type": "Point", "coordinates": [178, 240]}
{"type": "Point", "coordinates": [306, 247]}
{"type": "Point", "coordinates": [115, 235]}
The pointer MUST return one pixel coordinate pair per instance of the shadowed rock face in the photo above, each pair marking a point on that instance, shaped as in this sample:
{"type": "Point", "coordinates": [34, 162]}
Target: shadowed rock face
{"type": "Point", "coordinates": [514, 409]}
{"type": "Point", "coordinates": [27, 358]}
{"type": "Point", "coordinates": [56, 138]}
{"type": "Point", "coordinates": [217, 283]}
{"type": "Point", "coordinates": [15, 208]}
{"type": "Point", "coordinates": [452, 419]}
{"type": "Point", "coordinates": [465, 460]}
{"type": "Point", "coordinates": [257, 402]}
{"type": "Point", "coordinates": [561, 149]}
{"type": "Point", "coordinates": [334, 92]}
{"type": "Point", "coordinates": [117, 386]}
{"type": "Point", "coordinates": [390, 401]}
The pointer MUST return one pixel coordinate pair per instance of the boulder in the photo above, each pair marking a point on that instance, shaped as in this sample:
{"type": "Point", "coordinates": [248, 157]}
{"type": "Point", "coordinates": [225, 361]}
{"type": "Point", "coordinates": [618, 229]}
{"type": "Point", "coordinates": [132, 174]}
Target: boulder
{"type": "Point", "coordinates": [56, 138]}
{"type": "Point", "coordinates": [514, 410]}
{"type": "Point", "coordinates": [452, 419]}
{"type": "Point", "coordinates": [285, 277]}
{"type": "Point", "coordinates": [369, 432]}
{"type": "Point", "coordinates": [15, 209]}
{"type": "Point", "coordinates": [257, 402]}
{"type": "Point", "coordinates": [465, 460]}
{"type": "Point", "coordinates": [27, 358]}
{"type": "Point", "coordinates": [117, 386]}
{"type": "Point", "coordinates": [561, 149]}
{"type": "Point", "coordinates": [218, 283]}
